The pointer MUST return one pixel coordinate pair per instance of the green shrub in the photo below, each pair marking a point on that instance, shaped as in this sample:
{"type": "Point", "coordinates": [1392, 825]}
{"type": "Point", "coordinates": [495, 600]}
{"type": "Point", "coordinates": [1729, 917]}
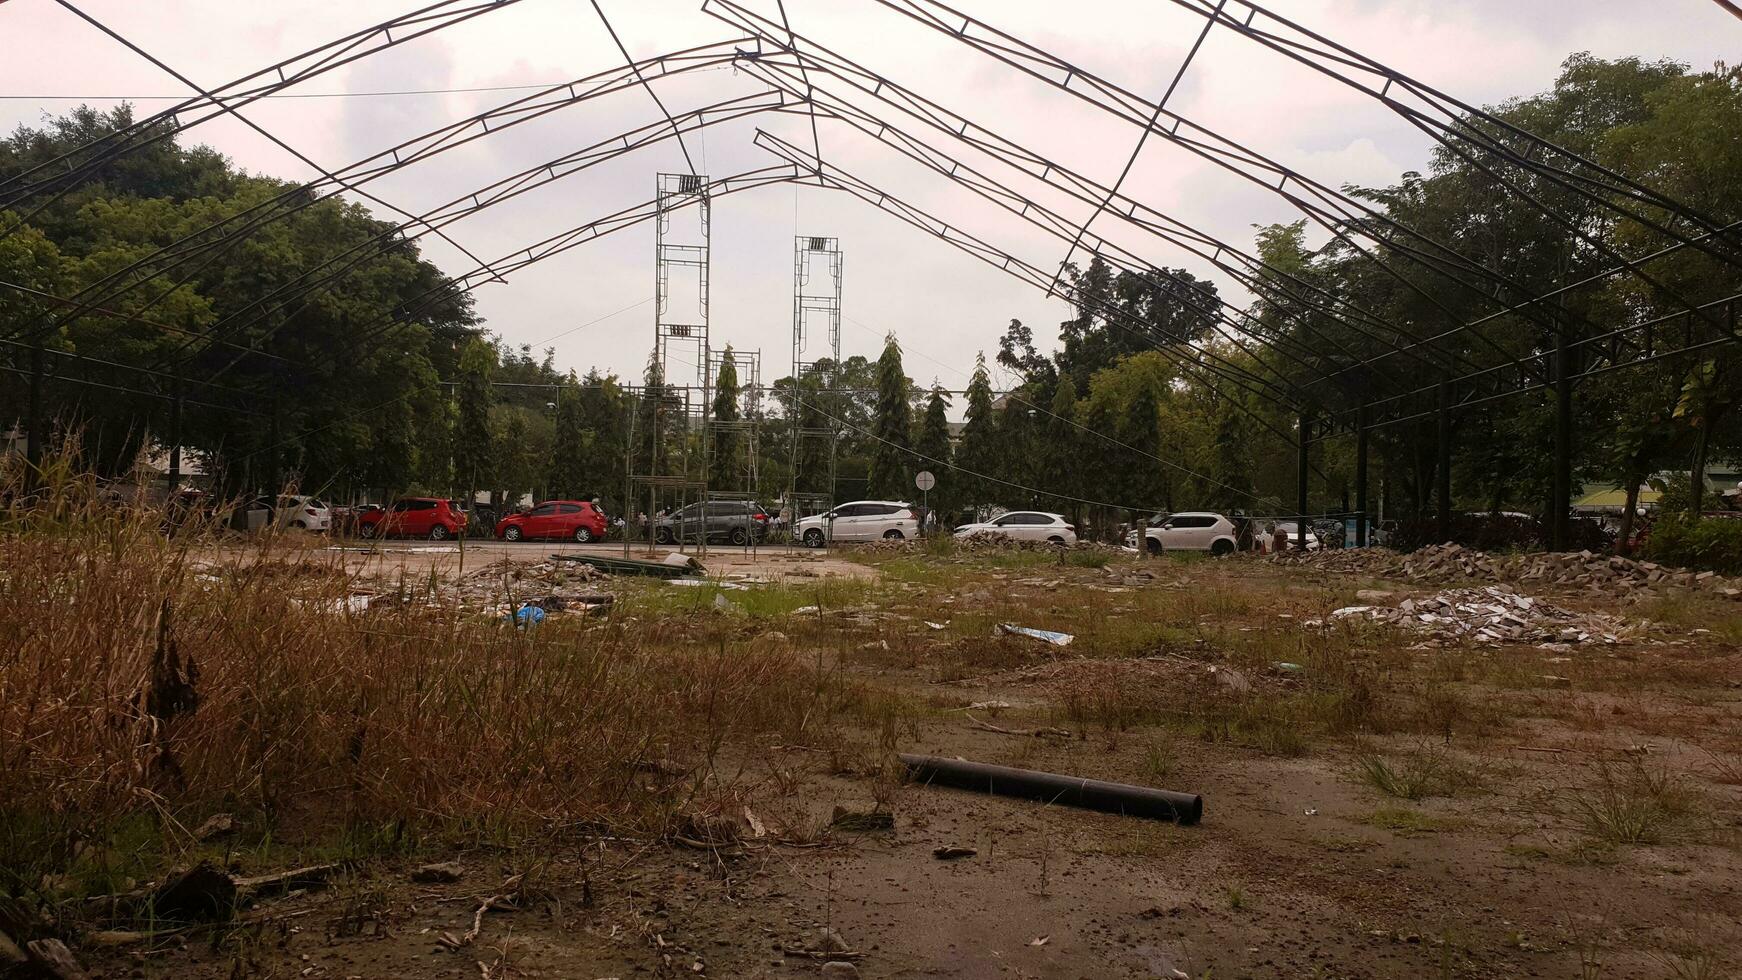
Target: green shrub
{"type": "Point", "coordinates": [1713, 543]}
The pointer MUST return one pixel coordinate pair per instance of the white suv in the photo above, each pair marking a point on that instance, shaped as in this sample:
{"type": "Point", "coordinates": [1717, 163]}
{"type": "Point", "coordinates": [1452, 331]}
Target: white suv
{"type": "Point", "coordinates": [1194, 531]}
{"type": "Point", "coordinates": [1025, 525]}
{"type": "Point", "coordinates": [860, 520]}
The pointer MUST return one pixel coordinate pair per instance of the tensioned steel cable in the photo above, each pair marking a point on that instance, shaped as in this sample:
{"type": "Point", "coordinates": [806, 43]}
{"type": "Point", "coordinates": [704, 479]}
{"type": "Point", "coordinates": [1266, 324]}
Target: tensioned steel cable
{"type": "Point", "coordinates": [651, 93]}
{"type": "Point", "coordinates": [1142, 138]}
{"type": "Point", "coordinates": [222, 104]}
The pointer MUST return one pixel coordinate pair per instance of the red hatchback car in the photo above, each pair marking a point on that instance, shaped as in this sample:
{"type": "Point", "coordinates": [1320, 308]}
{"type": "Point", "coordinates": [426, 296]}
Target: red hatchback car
{"type": "Point", "coordinates": [574, 520]}
{"type": "Point", "coordinates": [414, 517]}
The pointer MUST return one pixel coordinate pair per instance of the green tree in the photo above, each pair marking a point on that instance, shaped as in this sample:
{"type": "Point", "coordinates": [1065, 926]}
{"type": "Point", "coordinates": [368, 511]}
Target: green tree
{"type": "Point", "coordinates": [474, 445]}
{"type": "Point", "coordinates": [978, 453]}
{"type": "Point", "coordinates": [726, 471]}
{"type": "Point", "coordinates": [571, 445]}
{"type": "Point", "coordinates": [932, 444]}
{"type": "Point", "coordinates": [889, 469]}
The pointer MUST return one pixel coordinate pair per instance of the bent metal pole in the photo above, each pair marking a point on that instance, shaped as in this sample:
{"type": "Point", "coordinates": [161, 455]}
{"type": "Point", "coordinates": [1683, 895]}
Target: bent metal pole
{"type": "Point", "coordinates": [1090, 794]}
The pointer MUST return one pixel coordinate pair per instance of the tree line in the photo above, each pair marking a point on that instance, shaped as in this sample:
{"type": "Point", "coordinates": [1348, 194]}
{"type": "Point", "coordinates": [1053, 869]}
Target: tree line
{"type": "Point", "coordinates": [1139, 403]}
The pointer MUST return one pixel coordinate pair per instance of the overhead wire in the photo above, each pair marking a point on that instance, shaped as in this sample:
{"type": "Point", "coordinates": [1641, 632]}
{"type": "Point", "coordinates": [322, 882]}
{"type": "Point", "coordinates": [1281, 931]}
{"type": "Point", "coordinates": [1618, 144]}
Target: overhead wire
{"type": "Point", "coordinates": [644, 83]}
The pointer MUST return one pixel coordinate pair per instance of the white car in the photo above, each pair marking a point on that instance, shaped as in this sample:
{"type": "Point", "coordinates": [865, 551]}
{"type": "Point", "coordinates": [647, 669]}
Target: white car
{"type": "Point", "coordinates": [1192, 531]}
{"type": "Point", "coordinates": [860, 520]}
{"type": "Point", "coordinates": [304, 513]}
{"type": "Point", "coordinates": [1025, 525]}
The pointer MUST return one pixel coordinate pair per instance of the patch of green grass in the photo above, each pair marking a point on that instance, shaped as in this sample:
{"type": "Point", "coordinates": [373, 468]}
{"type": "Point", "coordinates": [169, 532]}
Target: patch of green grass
{"type": "Point", "coordinates": [1342, 844]}
{"type": "Point", "coordinates": [1160, 759]}
{"type": "Point", "coordinates": [1637, 806]}
{"type": "Point", "coordinates": [1406, 822]}
{"type": "Point", "coordinates": [1415, 774]}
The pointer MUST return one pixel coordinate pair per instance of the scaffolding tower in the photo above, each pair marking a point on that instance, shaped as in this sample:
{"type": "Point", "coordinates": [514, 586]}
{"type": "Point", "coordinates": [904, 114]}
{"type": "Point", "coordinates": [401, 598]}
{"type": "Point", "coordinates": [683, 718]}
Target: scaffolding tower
{"type": "Point", "coordinates": [674, 471]}
{"type": "Point", "coordinates": [816, 340]}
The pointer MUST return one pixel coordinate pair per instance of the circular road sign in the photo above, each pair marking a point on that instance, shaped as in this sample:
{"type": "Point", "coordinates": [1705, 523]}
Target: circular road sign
{"type": "Point", "coordinates": [924, 480]}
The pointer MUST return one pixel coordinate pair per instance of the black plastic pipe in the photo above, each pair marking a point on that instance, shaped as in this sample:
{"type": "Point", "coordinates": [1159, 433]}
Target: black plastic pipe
{"type": "Point", "coordinates": [1090, 794]}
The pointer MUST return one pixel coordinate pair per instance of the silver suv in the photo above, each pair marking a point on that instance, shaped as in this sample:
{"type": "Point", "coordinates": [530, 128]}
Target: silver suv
{"type": "Point", "coordinates": [860, 520]}
{"type": "Point", "coordinates": [734, 521]}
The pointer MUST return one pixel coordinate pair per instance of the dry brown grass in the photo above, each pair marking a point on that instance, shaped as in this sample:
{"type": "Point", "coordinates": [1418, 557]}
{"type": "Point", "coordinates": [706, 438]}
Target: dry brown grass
{"type": "Point", "coordinates": [318, 723]}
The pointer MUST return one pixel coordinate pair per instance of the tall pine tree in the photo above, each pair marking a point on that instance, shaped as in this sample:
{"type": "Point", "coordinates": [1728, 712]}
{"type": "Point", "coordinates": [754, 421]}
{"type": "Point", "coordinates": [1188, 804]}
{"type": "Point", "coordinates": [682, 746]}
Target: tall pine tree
{"type": "Point", "coordinates": [888, 476]}
{"type": "Point", "coordinates": [978, 454]}
{"type": "Point", "coordinates": [724, 470]}
{"type": "Point", "coordinates": [932, 444]}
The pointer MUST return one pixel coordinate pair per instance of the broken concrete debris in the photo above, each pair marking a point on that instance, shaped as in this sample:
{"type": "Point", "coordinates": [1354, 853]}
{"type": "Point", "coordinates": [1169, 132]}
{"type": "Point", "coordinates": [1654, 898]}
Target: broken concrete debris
{"type": "Point", "coordinates": [1446, 563]}
{"type": "Point", "coordinates": [1493, 615]}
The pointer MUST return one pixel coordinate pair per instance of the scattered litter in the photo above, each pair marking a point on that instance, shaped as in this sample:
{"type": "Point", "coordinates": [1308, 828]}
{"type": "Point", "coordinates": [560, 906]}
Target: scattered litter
{"type": "Point", "coordinates": [1289, 668]}
{"type": "Point", "coordinates": [725, 605]}
{"type": "Point", "coordinates": [1312, 811]}
{"type": "Point", "coordinates": [1048, 636]}
{"type": "Point", "coordinates": [990, 705]}
{"type": "Point", "coordinates": [440, 873]}
{"type": "Point", "coordinates": [806, 610]}
{"type": "Point", "coordinates": [756, 827]}
{"type": "Point", "coordinates": [937, 626]}
{"type": "Point", "coordinates": [529, 614]}
{"type": "Point", "coordinates": [950, 852]}
{"type": "Point", "coordinates": [1040, 941]}
{"type": "Point", "coordinates": [1493, 615]}
{"type": "Point", "coordinates": [1231, 679]}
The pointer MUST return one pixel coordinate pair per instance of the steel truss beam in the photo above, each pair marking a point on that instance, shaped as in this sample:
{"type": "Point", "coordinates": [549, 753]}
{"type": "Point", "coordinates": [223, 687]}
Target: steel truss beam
{"type": "Point", "coordinates": [831, 176]}
{"type": "Point", "coordinates": [1460, 126]}
{"type": "Point", "coordinates": [1675, 334]}
{"type": "Point", "coordinates": [240, 92]}
{"type": "Point", "coordinates": [1340, 214]}
{"type": "Point", "coordinates": [329, 273]}
{"type": "Point", "coordinates": [1212, 308]}
{"type": "Point", "coordinates": [1262, 279]}
{"type": "Point", "coordinates": [222, 236]}
{"type": "Point", "coordinates": [561, 242]}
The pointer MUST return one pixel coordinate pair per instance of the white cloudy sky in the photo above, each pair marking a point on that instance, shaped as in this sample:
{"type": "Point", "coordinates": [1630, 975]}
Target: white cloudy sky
{"type": "Point", "coordinates": [942, 304]}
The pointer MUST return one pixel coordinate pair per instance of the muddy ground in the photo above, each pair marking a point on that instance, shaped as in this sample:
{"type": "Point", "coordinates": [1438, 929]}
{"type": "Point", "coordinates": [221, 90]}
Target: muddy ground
{"type": "Point", "coordinates": [1378, 808]}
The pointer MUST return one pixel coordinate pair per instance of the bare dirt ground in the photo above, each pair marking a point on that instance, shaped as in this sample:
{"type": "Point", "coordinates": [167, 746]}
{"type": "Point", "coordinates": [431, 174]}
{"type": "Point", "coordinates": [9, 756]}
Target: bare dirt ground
{"type": "Point", "coordinates": [1376, 808]}
{"type": "Point", "coordinates": [393, 557]}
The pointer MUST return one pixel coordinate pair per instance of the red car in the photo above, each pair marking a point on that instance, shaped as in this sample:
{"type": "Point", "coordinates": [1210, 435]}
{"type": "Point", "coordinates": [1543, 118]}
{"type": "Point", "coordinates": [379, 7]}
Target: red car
{"type": "Point", "coordinates": [575, 520]}
{"type": "Point", "coordinates": [414, 517]}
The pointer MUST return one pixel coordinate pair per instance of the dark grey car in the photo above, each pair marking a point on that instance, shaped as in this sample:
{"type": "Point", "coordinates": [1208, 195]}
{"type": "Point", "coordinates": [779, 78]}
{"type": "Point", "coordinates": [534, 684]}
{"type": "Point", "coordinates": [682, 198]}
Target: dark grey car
{"type": "Point", "coordinates": [732, 521]}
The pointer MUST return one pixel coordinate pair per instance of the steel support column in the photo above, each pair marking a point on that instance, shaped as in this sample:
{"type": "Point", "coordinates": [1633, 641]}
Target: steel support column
{"type": "Point", "coordinates": [1300, 528]}
{"type": "Point", "coordinates": [37, 437]}
{"type": "Point", "coordinates": [175, 436]}
{"type": "Point", "coordinates": [1361, 434]}
{"type": "Point", "coordinates": [1561, 503]}
{"type": "Point", "coordinates": [1443, 470]}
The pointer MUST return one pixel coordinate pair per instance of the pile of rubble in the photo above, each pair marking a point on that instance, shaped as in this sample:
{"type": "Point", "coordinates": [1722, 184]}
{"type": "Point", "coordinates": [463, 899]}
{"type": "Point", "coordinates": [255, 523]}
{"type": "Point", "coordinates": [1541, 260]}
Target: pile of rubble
{"type": "Point", "coordinates": [1492, 616]}
{"type": "Point", "coordinates": [1444, 563]}
{"type": "Point", "coordinates": [553, 585]}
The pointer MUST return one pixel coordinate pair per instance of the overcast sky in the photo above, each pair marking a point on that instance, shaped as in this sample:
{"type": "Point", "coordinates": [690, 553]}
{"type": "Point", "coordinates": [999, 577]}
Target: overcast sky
{"type": "Point", "coordinates": [595, 301]}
